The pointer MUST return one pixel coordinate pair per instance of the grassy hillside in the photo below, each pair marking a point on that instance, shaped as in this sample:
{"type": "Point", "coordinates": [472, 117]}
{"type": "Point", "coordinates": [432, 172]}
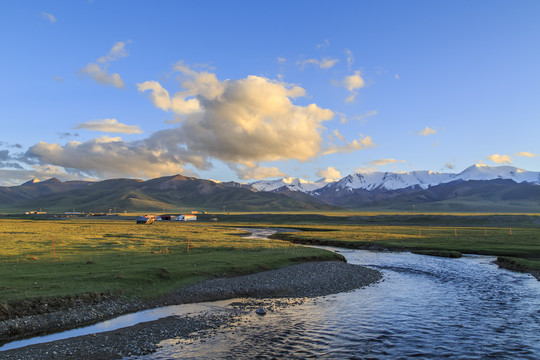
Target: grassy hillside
{"type": "Point", "coordinates": [162, 194]}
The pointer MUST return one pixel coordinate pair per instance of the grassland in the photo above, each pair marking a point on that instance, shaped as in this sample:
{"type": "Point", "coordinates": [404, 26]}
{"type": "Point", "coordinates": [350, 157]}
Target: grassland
{"type": "Point", "coordinates": [58, 258]}
{"type": "Point", "coordinates": [517, 242]}
{"type": "Point", "coordinates": [118, 257]}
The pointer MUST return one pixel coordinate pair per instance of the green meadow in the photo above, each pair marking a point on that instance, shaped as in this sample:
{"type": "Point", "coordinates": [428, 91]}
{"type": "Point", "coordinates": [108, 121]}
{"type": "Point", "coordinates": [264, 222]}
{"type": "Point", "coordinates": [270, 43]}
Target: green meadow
{"type": "Point", "coordinates": [517, 242]}
{"type": "Point", "coordinates": [54, 258]}
{"type": "Point", "coordinates": [57, 258]}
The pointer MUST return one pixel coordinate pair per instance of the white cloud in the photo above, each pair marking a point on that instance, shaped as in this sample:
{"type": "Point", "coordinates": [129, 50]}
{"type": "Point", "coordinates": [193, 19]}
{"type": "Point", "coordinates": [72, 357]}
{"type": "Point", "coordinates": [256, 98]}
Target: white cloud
{"type": "Point", "coordinates": [361, 143]}
{"type": "Point", "coordinates": [242, 123]}
{"type": "Point", "coordinates": [526, 154]}
{"type": "Point", "coordinates": [396, 76]}
{"type": "Point", "coordinates": [117, 51]}
{"type": "Point", "coordinates": [109, 125]}
{"type": "Point", "coordinates": [107, 157]}
{"type": "Point", "coordinates": [363, 117]}
{"type": "Point", "coordinates": [365, 169]}
{"type": "Point", "coordinates": [101, 76]}
{"type": "Point", "coordinates": [354, 82]}
{"type": "Point", "coordinates": [350, 58]}
{"type": "Point", "coordinates": [427, 131]}
{"type": "Point", "coordinates": [259, 172]}
{"type": "Point", "coordinates": [325, 63]}
{"type": "Point", "coordinates": [324, 44]}
{"type": "Point", "coordinates": [49, 17]}
{"type": "Point", "coordinates": [382, 162]}
{"type": "Point", "coordinates": [178, 104]}
{"type": "Point", "coordinates": [500, 159]}
{"type": "Point", "coordinates": [339, 135]}
{"type": "Point", "coordinates": [98, 70]}
{"type": "Point", "coordinates": [40, 172]}
{"type": "Point", "coordinates": [281, 60]}
{"type": "Point", "coordinates": [329, 173]}
{"type": "Point", "coordinates": [351, 98]}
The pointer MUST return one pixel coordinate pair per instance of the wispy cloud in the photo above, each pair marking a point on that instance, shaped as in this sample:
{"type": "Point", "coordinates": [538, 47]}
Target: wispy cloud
{"type": "Point", "coordinates": [427, 131]}
{"type": "Point", "coordinates": [64, 135]}
{"type": "Point", "coordinates": [526, 154]}
{"type": "Point", "coordinates": [99, 70]}
{"type": "Point", "coordinates": [363, 117]}
{"type": "Point", "coordinates": [258, 173]}
{"type": "Point", "coordinates": [110, 126]}
{"type": "Point", "coordinates": [383, 162]}
{"type": "Point", "coordinates": [324, 44]}
{"type": "Point", "coordinates": [359, 144]}
{"type": "Point", "coordinates": [48, 16]}
{"type": "Point", "coordinates": [350, 58]}
{"type": "Point", "coordinates": [325, 63]}
{"type": "Point", "coordinates": [500, 159]}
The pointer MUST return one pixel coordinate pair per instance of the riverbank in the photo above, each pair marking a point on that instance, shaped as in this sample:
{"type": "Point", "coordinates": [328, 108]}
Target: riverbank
{"type": "Point", "coordinates": [291, 282]}
{"type": "Point", "coordinates": [519, 245]}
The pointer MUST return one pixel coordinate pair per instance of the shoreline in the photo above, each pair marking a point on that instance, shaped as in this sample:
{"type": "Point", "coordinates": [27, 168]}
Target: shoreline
{"type": "Point", "coordinates": [501, 261]}
{"type": "Point", "coordinates": [305, 280]}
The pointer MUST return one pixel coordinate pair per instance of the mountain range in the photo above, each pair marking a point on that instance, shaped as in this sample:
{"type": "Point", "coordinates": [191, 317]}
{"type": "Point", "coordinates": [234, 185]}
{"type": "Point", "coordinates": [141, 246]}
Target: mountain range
{"type": "Point", "coordinates": [479, 188]}
{"type": "Point", "coordinates": [394, 181]}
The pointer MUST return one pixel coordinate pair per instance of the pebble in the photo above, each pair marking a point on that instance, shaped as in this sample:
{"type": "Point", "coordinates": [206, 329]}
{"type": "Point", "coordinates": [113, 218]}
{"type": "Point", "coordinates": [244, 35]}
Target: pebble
{"type": "Point", "coordinates": [273, 289]}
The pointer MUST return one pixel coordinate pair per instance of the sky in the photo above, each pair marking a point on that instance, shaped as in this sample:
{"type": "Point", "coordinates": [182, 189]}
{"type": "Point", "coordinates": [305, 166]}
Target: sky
{"type": "Point", "coordinates": [250, 90]}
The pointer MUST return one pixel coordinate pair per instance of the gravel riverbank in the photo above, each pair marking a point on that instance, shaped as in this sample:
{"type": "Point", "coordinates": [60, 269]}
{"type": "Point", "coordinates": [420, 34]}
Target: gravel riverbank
{"type": "Point", "coordinates": [289, 283]}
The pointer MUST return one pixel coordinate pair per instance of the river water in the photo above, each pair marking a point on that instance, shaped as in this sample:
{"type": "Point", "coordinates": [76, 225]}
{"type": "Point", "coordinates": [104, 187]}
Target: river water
{"type": "Point", "coordinates": [426, 307]}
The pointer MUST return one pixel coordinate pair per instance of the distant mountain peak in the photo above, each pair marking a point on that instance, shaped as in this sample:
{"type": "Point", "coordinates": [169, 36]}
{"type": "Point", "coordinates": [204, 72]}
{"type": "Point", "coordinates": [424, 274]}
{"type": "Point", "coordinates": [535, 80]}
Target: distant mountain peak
{"type": "Point", "coordinates": [52, 180]}
{"type": "Point", "coordinates": [290, 184]}
{"type": "Point", "coordinates": [30, 182]}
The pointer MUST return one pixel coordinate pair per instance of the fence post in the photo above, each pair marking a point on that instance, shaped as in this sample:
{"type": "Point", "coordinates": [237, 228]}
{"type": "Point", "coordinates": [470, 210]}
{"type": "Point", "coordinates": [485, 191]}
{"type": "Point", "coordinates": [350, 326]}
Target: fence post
{"type": "Point", "coordinates": [54, 251]}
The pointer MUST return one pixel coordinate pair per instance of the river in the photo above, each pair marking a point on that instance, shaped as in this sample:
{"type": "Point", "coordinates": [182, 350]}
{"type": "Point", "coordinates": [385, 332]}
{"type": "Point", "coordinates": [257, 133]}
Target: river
{"type": "Point", "coordinates": [426, 307]}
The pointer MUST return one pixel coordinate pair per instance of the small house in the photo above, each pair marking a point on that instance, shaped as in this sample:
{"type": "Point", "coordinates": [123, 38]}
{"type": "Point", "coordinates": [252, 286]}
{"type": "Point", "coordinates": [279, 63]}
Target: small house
{"type": "Point", "coordinates": [187, 217]}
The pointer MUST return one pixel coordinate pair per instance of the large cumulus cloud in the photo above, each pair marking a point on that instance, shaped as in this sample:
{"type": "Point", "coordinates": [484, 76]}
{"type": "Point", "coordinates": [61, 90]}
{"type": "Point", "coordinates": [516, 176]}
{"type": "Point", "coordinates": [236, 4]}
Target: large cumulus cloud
{"type": "Point", "coordinates": [242, 123]}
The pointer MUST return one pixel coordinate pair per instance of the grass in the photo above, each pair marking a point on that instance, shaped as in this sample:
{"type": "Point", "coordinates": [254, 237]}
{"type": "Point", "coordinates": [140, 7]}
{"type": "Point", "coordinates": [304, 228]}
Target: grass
{"type": "Point", "coordinates": [120, 257]}
{"type": "Point", "coordinates": [519, 243]}
{"type": "Point", "coordinates": [116, 256]}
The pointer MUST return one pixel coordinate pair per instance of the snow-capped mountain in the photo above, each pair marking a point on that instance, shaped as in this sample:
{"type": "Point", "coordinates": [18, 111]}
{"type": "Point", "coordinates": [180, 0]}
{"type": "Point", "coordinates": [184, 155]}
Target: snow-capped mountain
{"type": "Point", "coordinates": [425, 179]}
{"type": "Point", "coordinates": [291, 184]}
{"type": "Point", "coordinates": [388, 181]}
{"type": "Point", "coordinates": [485, 172]}
{"type": "Point", "coordinates": [392, 181]}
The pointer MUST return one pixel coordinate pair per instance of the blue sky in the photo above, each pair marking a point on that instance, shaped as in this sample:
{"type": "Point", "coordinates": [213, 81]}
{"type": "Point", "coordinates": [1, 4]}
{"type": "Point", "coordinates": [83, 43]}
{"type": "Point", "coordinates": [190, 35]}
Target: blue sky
{"type": "Point", "coordinates": [246, 90]}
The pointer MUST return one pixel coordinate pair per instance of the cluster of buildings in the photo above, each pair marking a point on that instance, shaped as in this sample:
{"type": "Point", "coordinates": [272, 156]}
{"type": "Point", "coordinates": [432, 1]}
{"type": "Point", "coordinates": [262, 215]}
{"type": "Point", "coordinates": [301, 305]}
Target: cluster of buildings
{"type": "Point", "coordinates": [148, 219]}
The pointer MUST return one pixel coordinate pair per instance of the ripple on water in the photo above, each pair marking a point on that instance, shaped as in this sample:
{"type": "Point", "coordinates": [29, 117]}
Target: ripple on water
{"type": "Point", "coordinates": [426, 307]}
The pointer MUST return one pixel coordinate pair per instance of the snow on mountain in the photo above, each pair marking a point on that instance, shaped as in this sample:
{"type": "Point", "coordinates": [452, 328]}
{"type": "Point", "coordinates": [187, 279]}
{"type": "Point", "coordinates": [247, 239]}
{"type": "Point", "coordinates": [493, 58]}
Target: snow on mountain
{"type": "Point", "coordinates": [292, 184]}
{"type": "Point", "coordinates": [393, 181]}
{"type": "Point", "coordinates": [485, 172]}
{"type": "Point", "coordinates": [424, 179]}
